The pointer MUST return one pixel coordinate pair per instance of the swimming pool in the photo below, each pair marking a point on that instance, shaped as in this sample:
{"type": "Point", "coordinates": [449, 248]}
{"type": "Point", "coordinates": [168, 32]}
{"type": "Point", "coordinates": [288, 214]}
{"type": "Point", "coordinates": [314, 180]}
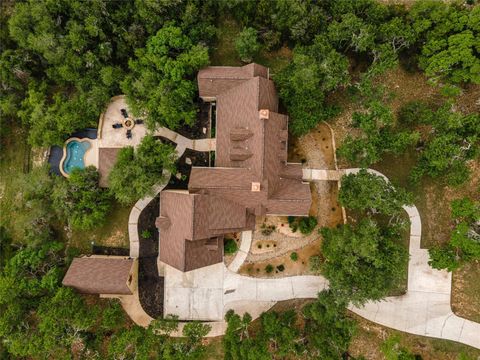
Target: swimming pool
{"type": "Point", "coordinates": [75, 154]}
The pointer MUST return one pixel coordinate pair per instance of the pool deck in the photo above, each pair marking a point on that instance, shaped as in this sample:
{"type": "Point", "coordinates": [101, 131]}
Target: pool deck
{"type": "Point", "coordinates": [108, 137]}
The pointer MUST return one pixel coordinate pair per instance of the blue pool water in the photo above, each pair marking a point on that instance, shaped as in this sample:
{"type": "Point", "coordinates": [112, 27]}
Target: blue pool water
{"type": "Point", "coordinates": [75, 153]}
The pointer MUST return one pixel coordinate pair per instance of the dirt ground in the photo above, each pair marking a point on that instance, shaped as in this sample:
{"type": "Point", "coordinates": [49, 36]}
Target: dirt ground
{"type": "Point", "coordinates": [370, 336]}
{"type": "Point", "coordinates": [315, 150]}
{"type": "Point", "coordinates": [466, 291]}
{"type": "Point", "coordinates": [431, 198]}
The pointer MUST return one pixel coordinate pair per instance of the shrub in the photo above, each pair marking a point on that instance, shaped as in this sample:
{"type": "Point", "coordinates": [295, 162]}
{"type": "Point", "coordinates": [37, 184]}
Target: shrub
{"type": "Point", "coordinates": [294, 256]}
{"type": "Point", "coordinates": [414, 112]}
{"type": "Point", "coordinates": [307, 224]}
{"type": "Point", "coordinates": [146, 234]}
{"type": "Point", "coordinates": [281, 267]}
{"type": "Point", "coordinates": [267, 229]}
{"type": "Point", "coordinates": [229, 246]}
{"type": "Point", "coordinates": [269, 268]}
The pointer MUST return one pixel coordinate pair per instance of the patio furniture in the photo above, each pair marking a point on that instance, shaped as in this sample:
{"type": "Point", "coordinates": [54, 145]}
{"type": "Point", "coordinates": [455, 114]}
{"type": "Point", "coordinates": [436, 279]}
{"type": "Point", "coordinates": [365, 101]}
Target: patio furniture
{"type": "Point", "coordinates": [117, 126]}
{"type": "Point", "coordinates": [124, 113]}
{"type": "Point", "coordinates": [138, 121]}
{"type": "Point", "coordinates": [129, 134]}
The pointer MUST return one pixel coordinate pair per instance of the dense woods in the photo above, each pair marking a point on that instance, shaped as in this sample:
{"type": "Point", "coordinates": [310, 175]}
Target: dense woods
{"type": "Point", "coordinates": [60, 63]}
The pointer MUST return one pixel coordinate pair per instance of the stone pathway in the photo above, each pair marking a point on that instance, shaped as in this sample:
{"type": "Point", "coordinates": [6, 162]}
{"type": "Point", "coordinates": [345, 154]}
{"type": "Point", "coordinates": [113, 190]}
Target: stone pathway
{"type": "Point", "coordinates": [182, 141]}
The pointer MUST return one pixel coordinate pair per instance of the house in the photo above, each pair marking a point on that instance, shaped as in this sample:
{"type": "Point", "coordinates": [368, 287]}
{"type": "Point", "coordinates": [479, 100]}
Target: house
{"type": "Point", "coordinates": [251, 176]}
{"type": "Point", "coordinates": [108, 276]}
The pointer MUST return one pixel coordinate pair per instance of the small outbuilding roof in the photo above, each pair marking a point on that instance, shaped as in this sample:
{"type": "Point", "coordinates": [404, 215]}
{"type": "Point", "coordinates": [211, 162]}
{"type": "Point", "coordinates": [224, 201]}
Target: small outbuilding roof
{"type": "Point", "coordinates": [100, 275]}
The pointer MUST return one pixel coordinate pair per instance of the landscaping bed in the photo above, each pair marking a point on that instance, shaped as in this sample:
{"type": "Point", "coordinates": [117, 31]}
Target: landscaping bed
{"type": "Point", "coordinates": [150, 284]}
{"type": "Point", "coordinates": [190, 158]}
{"type": "Point", "coordinates": [201, 128]}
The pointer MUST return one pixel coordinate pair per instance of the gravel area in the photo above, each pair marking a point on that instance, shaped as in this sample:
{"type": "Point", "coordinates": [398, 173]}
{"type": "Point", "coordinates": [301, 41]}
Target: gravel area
{"type": "Point", "coordinates": [314, 150]}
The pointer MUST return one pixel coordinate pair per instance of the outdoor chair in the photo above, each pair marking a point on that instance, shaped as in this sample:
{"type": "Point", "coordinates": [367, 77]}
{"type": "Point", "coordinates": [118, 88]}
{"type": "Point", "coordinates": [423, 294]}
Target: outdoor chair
{"type": "Point", "coordinates": [117, 126]}
{"type": "Point", "coordinates": [124, 113]}
{"type": "Point", "coordinates": [129, 134]}
{"type": "Point", "coordinates": [138, 121]}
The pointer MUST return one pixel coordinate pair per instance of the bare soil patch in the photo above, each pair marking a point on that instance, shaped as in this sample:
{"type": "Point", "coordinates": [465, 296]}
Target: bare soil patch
{"type": "Point", "coordinates": [466, 291]}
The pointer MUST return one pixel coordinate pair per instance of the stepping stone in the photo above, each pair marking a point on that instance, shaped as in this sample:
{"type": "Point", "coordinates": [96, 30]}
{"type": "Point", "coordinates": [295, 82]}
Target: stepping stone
{"type": "Point", "coordinates": [204, 130]}
{"type": "Point", "coordinates": [188, 161]}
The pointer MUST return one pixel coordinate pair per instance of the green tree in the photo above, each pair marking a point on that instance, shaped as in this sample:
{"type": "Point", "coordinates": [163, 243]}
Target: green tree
{"type": "Point", "coordinates": [307, 224]}
{"type": "Point", "coordinates": [33, 207]}
{"type": "Point", "coordinates": [161, 85]}
{"type": "Point", "coordinates": [363, 262]}
{"type": "Point", "coordinates": [378, 136]}
{"type": "Point", "coordinates": [449, 36]}
{"type": "Point", "coordinates": [280, 333]}
{"type": "Point", "coordinates": [239, 343]}
{"type": "Point", "coordinates": [80, 200]}
{"type": "Point", "coordinates": [314, 71]}
{"type": "Point", "coordinates": [464, 244]}
{"type": "Point", "coordinates": [247, 45]}
{"type": "Point", "coordinates": [63, 49]}
{"type": "Point", "coordinates": [455, 139]}
{"type": "Point", "coordinates": [365, 191]}
{"type": "Point", "coordinates": [64, 319]}
{"type": "Point", "coordinates": [327, 327]}
{"type": "Point", "coordinates": [137, 171]}
{"type": "Point", "coordinates": [392, 350]}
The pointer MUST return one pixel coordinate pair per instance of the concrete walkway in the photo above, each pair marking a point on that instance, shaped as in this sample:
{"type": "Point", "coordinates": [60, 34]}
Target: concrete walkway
{"type": "Point", "coordinates": [243, 250]}
{"type": "Point", "coordinates": [208, 293]}
{"type": "Point", "coordinates": [182, 141]}
{"type": "Point", "coordinates": [425, 309]}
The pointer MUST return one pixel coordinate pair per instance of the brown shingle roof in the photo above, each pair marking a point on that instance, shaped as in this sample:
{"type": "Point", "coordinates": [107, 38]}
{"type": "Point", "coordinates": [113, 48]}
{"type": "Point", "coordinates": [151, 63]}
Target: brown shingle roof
{"type": "Point", "coordinates": [106, 159]}
{"type": "Point", "coordinates": [193, 220]}
{"type": "Point", "coordinates": [251, 174]}
{"type": "Point", "coordinates": [215, 80]}
{"type": "Point", "coordinates": [99, 275]}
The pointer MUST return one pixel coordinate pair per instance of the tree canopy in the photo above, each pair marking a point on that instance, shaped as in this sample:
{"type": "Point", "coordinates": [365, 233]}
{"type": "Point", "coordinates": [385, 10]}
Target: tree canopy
{"type": "Point", "coordinates": [363, 262]}
{"type": "Point", "coordinates": [325, 334]}
{"type": "Point", "coordinates": [247, 45]}
{"type": "Point", "coordinates": [315, 70]}
{"type": "Point", "coordinates": [327, 327]}
{"type": "Point", "coordinates": [138, 170]}
{"type": "Point", "coordinates": [369, 192]}
{"type": "Point", "coordinates": [454, 139]}
{"type": "Point", "coordinates": [80, 200]}
{"type": "Point", "coordinates": [161, 86]}
{"type": "Point", "coordinates": [464, 244]}
{"type": "Point", "coordinates": [449, 35]}
{"type": "Point", "coordinates": [378, 136]}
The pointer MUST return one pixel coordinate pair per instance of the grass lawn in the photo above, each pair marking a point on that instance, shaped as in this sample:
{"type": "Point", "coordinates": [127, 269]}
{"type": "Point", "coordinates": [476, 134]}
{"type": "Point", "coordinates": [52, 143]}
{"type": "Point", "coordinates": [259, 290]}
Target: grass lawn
{"type": "Point", "coordinates": [114, 233]}
{"type": "Point", "coordinates": [14, 160]}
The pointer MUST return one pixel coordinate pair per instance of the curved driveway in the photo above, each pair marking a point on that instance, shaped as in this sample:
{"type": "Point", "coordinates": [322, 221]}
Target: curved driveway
{"type": "Point", "coordinates": [208, 293]}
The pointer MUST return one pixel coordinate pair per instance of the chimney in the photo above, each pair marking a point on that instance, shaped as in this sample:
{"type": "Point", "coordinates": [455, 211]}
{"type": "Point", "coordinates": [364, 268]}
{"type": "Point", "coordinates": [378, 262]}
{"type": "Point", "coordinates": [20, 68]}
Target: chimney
{"type": "Point", "coordinates": [255, 186]}
{"type": "Point", "coordinates": [264, 114]}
